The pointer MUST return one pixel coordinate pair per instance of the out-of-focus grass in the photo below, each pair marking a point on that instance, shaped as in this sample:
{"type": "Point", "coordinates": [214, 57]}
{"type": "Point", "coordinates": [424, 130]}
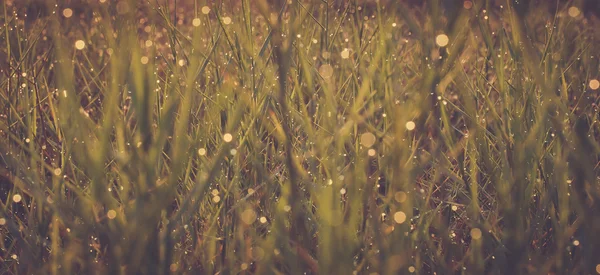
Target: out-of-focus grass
{"type": "Point", "coordinates": [298, 137]}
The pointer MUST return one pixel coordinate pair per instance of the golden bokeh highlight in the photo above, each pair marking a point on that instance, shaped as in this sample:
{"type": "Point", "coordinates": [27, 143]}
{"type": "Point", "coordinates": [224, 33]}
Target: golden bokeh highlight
{"type": "Point", "coordinates": [410, 125]}
{"type": "Point", "coordinates": [111, 214]}
{"type": "Point", "coordinates": [594, 84]}
{"type": "Point", "coordinates": [399, 217]}
{"type": "Point", "coordinates": [367, 139]}
{"type": "Point", "coordinates": [67, 13]}
{"type": "Point", "coordinates": [442, 40]}
{"type": "Point", "coordinates": [196, 22]}
{"type": "Point", "coordinates": [248, 216]}
{"type": "Point", "coordinates": [400, 196]}
{"type": "Point", "coordinates": [574, 12]}
{"type": "Point", "coordinates": [476, 233]}
{"type": "Point", "coordinates": [79, 44]}
{"type": "Point", "coordinates": [17, 198]}
{"type": "Point", "coordinates": [345, 54]}
{"type": "Point", "coordinates": [468, 5]}
{"type": "Point", "coordinates": [326, 71]}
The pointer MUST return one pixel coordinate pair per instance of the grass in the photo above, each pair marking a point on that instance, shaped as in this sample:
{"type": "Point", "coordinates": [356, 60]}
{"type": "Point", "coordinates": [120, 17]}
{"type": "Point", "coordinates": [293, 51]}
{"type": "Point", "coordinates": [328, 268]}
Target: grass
{"type": "Point", "coordinates": [307, 137]}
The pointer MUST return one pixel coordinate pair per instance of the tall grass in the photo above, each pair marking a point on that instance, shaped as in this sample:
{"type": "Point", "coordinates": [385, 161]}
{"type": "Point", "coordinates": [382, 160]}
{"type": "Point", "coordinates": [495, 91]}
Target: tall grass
{"type": "Point", "coordinates": [208, 137]}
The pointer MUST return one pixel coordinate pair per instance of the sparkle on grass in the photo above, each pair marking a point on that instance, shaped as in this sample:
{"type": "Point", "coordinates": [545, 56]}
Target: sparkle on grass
{"type": "Point", "coordinates": [371, 152]}
{"type": "Point", "coordinates": [411, 269]}
{"type": "Point", "coordinates": [343, 191]}
{"type": "Point", "coordinates": [2, 221]}
{"type": "Point", "coordinates": [249, 216]}
{"type": "Point", "coordinates": [399, 217]}
{"type": "Point", "coordinates": [476, 233]}
{"type": "Point", "coordinates": [454, 207]}
{"type": "Point", "coordinates": [226, 20]}
{"type": "Point", "coordinates": [400, 196]}
{"type": "Point", "coordinates": [111, 214]}
{"type": "Point", "coordinates": [216, 199]}
{"type": "Point", "coordinates": [574, 12]}
{"type": "Point", "coordinates": [345, 53]}
{"type": "Point", "coordinates": [442, 40]}
{"type": "Point", "coordinates": [79, 44]}
{"type": "Point", "coordinates": [594, 84]}
{"type": "Point", "coordinates": [227, 137]}
{"type": "Point", "coordinates": [367, 139]}
{"type": "Point", "coordinates": [410, 125]}
{"type": "Point", "coordinates": [149, 43]}
{"type": "Point", "coordinates": [468, 5]}
{"type": "Point", "coordinates": [144, 60]}
{"type": "Point", "coordinates": [201, 151]}
{"type": "Point", "coordinates": [263, 219]}
{"type": "Point", "coordinates": [205, 10]}
{"type": "Point", "coordinates": [17, 198]}
{"type": "Point", "coordinates": [57, 171]}
{"type": "Point", "coordinates": [196, 22]}
{"type": "Point", "coordinates": [326, 71]}
{"type": "Point", "coordinates": [67, 12]}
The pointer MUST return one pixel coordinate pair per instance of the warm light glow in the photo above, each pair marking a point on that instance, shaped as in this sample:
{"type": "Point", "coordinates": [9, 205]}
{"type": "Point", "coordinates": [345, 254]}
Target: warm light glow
{"type": "Point", "coordinates": [205, 10]}
{"type": "Point", "coordinates": [468, 5]}
{"type": "Point", "coordinates": [345, 54]}
{"type": "Point", "coordinates": [248, 216]}
{"type": "Point", "coordinates": [574, 12]}
{"type": "Point", "coordinates": [594, 84]}
{"type": "Point", "coordinates": [144, 60]}
{"type": "Point", "coordinates": [196, 22]}
{"type": "Point", "coordinates": [367, 139]}
{"type": "Point", "coordinates": [476, 233]}
{"type": "Point", "coordinates": [442, 40]}
{"type": "Point", "coordinates": [400, 196]}
{"type": "Point", "coordinates": [201, 151]}
{"type": "Point", "coordinates": [17, 198]}
{"type": "Point", "coordinates": [227, 137]}
{"type": "Point", "coordinates": [67, 12]}
{"type": "Point", "coordinates": [226, 20]}
{"type": "Point", "coordinates": [399, 217]}
{"type": "Point", "coordinates": [410, 125]}
{"type": "Point", "coordinates": [79, 44]}
{"type": "Point", "coordinates": [326, 71]}
{"type": "Point", "coordinates": [111, 214]}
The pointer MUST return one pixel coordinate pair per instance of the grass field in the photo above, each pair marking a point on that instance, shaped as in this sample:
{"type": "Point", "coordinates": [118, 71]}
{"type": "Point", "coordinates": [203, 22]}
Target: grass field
{"type": "Point", "coordinates": [307, 137]}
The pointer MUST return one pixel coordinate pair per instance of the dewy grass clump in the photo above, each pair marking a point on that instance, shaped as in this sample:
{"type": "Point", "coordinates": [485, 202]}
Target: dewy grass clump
{"type": "Point", "coordinates": [299, 137]}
